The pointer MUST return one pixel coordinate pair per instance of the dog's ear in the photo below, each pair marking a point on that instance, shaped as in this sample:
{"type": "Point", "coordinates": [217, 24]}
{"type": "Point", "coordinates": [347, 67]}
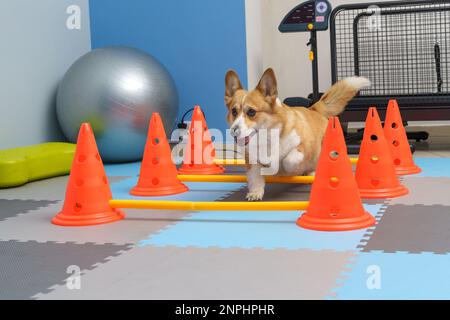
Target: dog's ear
{"type": "Point", "coordinates": [268, 86]}
{"type": "Point", "coordinates": [232, 84]}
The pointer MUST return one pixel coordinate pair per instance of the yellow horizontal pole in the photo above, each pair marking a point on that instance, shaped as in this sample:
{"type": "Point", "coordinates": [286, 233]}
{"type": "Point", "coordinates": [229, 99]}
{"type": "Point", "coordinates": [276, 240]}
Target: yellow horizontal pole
{"type": "Point", "coordinates": [241, 162]}
{"type": "Point", "coordinates": [210, 206]}
{"type": "Point", "coordinates": [238, 178]}
{"type": "Point", "coordinates": [230, 162]}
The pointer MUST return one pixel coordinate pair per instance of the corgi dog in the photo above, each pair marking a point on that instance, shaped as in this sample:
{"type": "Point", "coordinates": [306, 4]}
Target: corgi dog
{"type": "Point", "coordinates": [299, 130]}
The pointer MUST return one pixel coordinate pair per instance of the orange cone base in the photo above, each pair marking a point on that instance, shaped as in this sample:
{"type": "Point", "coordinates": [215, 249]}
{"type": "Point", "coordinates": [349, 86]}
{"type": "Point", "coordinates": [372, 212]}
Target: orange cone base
{"type": "Point", "coordinates": [308, 222]}
{"type": "Point", "coordinates": [210, 169]}
{"type": "Point", "coordinates": [158, 191]}
{"type": "Point", "coordinates": [70, 220]}
{"type": "Point", "coordinates": [403, 171]}
{"type": "Point", "coordinates": [399, 191]}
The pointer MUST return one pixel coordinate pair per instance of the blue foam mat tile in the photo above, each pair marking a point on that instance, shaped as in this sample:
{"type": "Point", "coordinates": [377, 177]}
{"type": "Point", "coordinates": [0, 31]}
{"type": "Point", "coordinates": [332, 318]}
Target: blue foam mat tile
{"type": "Point", "coordinates": [433, 167]}
{"type": "Point", "coordinates": [268, 230]}
{"type": "Point", "coordinates": [123, 169]}
{"type": "Point", "coordinates": [401, 276]}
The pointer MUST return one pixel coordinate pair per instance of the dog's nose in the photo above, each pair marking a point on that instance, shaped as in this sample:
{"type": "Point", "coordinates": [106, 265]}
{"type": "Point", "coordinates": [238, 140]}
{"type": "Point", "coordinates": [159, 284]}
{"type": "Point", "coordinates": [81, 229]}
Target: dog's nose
{"type": "Point", "coordinates": [235, 132]}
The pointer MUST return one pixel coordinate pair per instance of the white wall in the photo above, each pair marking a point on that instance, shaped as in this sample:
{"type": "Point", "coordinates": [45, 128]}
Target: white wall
{"type": "Point", "coordinates": [36, 50]}
{"type": "Point", "coordinates": [253, 26]}
{"type": "Point", "coordinates": [286, 53]}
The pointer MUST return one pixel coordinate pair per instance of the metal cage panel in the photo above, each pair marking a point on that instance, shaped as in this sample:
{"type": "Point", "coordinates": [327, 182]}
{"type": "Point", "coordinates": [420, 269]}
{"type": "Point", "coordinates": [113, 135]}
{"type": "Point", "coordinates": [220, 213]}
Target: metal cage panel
{"type": "Point", "coordinates": [403, 47]}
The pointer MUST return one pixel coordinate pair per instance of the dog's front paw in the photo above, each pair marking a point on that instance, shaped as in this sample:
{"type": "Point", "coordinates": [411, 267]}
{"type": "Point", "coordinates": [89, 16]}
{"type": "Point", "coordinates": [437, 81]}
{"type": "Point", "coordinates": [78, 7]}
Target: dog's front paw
{"type": "Point", "coordinates": [255, 196]}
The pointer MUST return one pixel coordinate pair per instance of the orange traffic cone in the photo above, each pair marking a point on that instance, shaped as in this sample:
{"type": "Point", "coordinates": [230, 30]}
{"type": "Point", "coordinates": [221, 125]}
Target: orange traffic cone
{"type": "Point", "coordinates": [87, 193]}
{"type": "Point", "coordinates": [375, 173]}
{"type": "Point", "coordinates": [158, 176]}
{"type": "Point", "coordinates": [398, 141]}
{"type": "Point", "coordinates": [335, 204]}
{"type": "Point", "coordinates": [200, 152]}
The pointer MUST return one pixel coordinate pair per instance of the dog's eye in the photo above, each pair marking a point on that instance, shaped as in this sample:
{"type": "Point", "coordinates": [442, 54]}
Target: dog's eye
{"type": "Point", "coordinates": [234, 112]}
{"type": "Point", "coordinates": [251, 112]}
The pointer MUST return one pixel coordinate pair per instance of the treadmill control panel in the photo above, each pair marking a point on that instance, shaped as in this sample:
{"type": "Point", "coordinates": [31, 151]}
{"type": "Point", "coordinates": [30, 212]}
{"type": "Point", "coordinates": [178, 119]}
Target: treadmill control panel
{"type": "Point", "coordinates": [307, 16]}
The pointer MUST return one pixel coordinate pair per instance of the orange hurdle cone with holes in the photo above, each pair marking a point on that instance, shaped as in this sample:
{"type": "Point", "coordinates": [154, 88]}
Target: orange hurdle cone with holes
{"type": "Point", "coordinates": [335, 204]}
{"type": "Point", "coordinates": [88, 192]}
{"type": "Point", "coordinates": [398, 141]}
{"type": "Point", "coordinates": [200, 152]}
{"type": "Point", "coordinates": [375, 172]}
{"type": "Point", "coordinates": [158, 175]}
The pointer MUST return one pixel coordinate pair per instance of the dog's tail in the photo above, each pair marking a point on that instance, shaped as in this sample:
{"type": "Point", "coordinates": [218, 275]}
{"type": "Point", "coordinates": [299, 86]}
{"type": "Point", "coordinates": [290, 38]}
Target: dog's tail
{"type": "Point", "coordinates": [334, 101]}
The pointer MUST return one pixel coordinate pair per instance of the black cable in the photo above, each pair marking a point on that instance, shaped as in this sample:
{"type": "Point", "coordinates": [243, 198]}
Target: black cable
{"type": "Point", "coordinates": [181, 124]}
{"type": "Point", "coordinates": [437, 56]}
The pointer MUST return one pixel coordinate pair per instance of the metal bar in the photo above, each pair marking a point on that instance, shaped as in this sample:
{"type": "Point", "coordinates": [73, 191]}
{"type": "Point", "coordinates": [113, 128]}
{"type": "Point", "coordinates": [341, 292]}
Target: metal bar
{"type": "Point", "coordinates": [315, 66]}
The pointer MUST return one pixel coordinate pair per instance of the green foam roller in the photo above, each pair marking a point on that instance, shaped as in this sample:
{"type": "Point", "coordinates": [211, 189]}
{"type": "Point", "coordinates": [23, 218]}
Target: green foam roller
{"type": "Point", "coordinates": [25, 164]}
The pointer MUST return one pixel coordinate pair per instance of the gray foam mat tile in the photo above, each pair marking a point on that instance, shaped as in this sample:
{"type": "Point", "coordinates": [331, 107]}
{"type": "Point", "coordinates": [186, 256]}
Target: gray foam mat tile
{"type": "Point", "coordinates": [116, 179]}
{"type": "Point", "coordinates": [192, 273]}
{"type": "Point", "coordinates": [11, 208]}
{"type": "Point", "coordinates": [238, 170]}
{"type": "Point", "coordinates": [424, 190]}
{"type": "Point", "coordinates": [36, 226]}
{"type": "Point", "coordinates": [47, 189]}
{"type": "Point", "coordinates": [29, 268]}
{"type": "Point", "coordinates": [374, 201]}
{"type": "Point", "coordinates": [413, 229]}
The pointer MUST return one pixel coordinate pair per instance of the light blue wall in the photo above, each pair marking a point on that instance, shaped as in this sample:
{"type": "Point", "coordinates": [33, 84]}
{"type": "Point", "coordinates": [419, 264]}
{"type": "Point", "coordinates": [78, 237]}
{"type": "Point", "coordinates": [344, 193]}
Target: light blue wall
{"type": "Point", "coordinates": [197, 41]}
{"type": "Point", "coordinates": [36, 50]}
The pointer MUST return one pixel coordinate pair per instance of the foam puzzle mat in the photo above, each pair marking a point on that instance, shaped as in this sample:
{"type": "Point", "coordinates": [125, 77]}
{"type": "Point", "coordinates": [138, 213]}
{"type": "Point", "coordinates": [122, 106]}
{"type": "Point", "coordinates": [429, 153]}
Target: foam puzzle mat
{"type": "Point", "coordinates": [226, 255]}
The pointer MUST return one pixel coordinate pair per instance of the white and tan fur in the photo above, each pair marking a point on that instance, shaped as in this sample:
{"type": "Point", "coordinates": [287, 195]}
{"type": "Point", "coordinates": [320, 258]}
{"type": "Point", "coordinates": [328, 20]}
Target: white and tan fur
{"type": "Point", "coordinates": [300, 129]}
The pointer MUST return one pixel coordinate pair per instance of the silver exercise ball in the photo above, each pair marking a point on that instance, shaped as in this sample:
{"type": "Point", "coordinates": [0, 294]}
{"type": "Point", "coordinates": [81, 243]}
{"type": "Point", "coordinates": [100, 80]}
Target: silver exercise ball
{"type": "Point", "coordinates": [116, 89]}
